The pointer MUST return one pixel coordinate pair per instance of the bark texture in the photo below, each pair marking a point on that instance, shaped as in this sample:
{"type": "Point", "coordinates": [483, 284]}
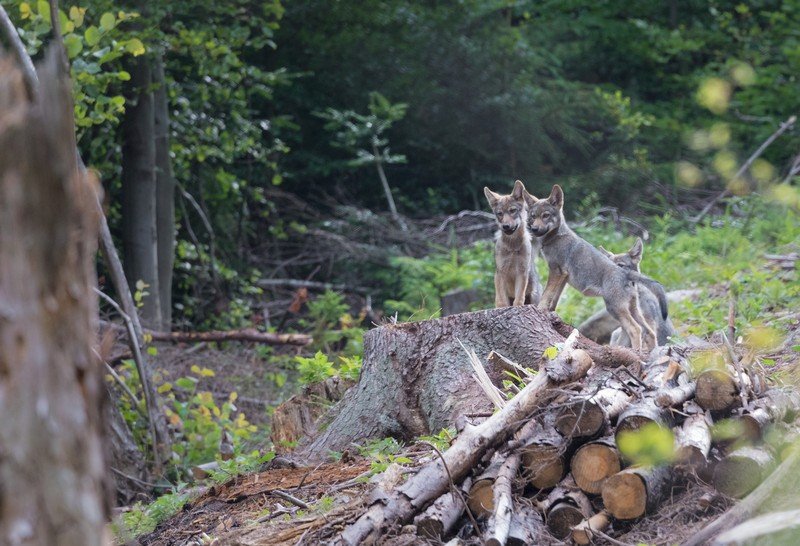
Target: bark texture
{"type": "Point", "coordinates": [139, 190]}
{"type": "Point", "coordinates": [52, 472]}
{"type": "Point", "coordinates": [165, 192]}
{"type": "Point", "coordinates": [416, 378]}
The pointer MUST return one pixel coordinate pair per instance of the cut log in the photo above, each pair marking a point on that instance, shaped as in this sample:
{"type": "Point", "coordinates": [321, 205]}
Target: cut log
{"type": "Point", "coordinates": [587, 416]}
{"type": "Point", "coordinates": [593, 463]}
{"type": "Point", "coordinates": [741, 471]}
{"type": "Point", "coordinates": [716, 390]}
{"type": "Point", "coordinates": [416, 379]}
{"type": "Point", "coordinates": [693, 441]}
{"type": "Point", "coordinates": [526, 526]}
{"type": "Point", "coordinates": [481, 494]}
{"type": "Point", "coordinates": [499, 524]}
{"type": "Point", "coordinates": [567, 506]}
{"type": "Point", "coordinates": [778, 490]}
{"type": "Point", "coordinates": [636, 491]}
{"type": "Point", "coordinates": [640, 414]}
{"type": "Point", "coordinates": [772, 528]}
{"type": "Point", "coordinates": [545, 457]}
{"type": "Point", "coordinates": [584, 532]}
{"type": "Point", "coordinates": [675, 395]}
{"type": "Point", "coordinates": [432, 480]}
{"type": "Point", "coordinates": [775, 406]}
{"type": "Point", "coordinates": [442, 515]}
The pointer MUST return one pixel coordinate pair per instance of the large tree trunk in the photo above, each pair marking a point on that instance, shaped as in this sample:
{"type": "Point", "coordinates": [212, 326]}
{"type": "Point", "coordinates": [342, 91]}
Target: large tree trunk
{"type": "Point", "coordinates": [165, 193]}
{"type": "Point", "coordinates": [417, 378]}
{"type": "Point", "coordinates": [52, 471]}
{"type": "Point", "coordinates": [139, 189]}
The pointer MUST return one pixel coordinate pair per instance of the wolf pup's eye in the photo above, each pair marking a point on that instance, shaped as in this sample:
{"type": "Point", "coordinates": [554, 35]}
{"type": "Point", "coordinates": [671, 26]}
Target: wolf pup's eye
{"type": "Point", "coordinates": [512, 211]}
{"type": "Point", "coordinates": [546, 216]}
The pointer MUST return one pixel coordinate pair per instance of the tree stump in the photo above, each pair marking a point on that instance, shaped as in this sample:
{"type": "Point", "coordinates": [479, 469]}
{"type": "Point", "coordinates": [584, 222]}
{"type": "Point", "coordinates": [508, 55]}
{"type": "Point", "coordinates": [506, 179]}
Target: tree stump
{"type": "Point", "coordinates": [52, 467]}
{"type": "Point", "coordinates": [416, 378]}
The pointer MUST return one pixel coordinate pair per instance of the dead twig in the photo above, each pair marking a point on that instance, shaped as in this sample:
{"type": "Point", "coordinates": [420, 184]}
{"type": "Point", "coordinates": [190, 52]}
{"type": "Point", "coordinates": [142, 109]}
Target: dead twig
{"type": "Point", "coordinates": [785, 126]}
{"type": "Point", "coordinates": [290, 498]}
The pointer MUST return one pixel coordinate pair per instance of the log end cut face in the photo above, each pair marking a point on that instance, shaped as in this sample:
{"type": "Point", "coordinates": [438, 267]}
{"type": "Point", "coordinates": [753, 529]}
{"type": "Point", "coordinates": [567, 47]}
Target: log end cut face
{"type": "Point", "coordinates": [543, 466]}
{"type": "Point", "coordinates": [481, 498]}
{"type": "Point", "coordinates": [592, 465]}
{"type": "Point", "coordinates": [716, 390]}
{"type": "Point", "coordinates": [625, 495]}
{"type": "Point", "coordinates": [580, 419]}
{"type": "Point", "coordinates": [562, 517]}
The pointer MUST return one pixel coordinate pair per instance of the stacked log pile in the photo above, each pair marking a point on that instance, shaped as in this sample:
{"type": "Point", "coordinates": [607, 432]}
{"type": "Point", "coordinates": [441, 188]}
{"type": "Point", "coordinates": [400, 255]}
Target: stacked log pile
{"type": "Point", "coordinates": [559, 475]}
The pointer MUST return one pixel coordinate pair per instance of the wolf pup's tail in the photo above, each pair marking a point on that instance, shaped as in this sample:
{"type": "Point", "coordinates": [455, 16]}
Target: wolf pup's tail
{"type": "Point", "coordinates": [656, 288]}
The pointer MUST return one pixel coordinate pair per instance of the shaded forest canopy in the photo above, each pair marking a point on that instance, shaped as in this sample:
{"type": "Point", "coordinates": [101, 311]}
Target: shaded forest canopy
{"type": "Point", "coordinates": [279, 115]}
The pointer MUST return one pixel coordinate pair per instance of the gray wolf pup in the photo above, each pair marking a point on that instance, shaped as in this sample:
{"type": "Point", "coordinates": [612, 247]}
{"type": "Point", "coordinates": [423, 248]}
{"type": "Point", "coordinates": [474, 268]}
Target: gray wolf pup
{"type": "Point", "coordinates": [573, 260]}
{"type": "Point", "coordinates": [515, 278]}
{"type": "Point", "coordinates": [652, 299]}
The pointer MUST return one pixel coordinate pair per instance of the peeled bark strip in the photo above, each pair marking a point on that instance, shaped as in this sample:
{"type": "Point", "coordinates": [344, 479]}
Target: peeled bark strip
{"type": "Point", "coordinates": [595, 462]}
{"type": "Point", "coordinates": [52, 467]}
{"type": "Point", "coordinates": [741, 471]}
{"type": "Point", "coordinates": [693, 441]}
{"type": "Point", "coordinates": [583, 532]}
{"type": "Point", "coordinates": [443, 514]}
{"type": "Point", "coordinates": [636, 491]}
{"type": "Point", "coordinates": [417, 380]}
{"type": "Point", "coordinates": [716, 390]}
{"type": "Point", "coordinates": [500, 522]}
{"type": "Point", "coordinates": [567, 506]}
{"type": "Point", "coordinates": [432, 480]}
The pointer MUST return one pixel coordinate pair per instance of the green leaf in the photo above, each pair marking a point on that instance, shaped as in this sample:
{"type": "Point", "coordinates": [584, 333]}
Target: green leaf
{"type": "Point", "coordinates": [25, 10]}
{"type": "Point", "coordinates": [43, 7]}
{"type": "Point", "coordinates": [74, 45]}
{"type": "Point", "coordinates": [152, 351]}
{"type": "Point", "coordinates": [107, 21]}
{"type": "Point", "coordinates": [550, 353]}
{"type": "Point", "coordinates": [186, 383]}
{"type": "Point", "coordinates": [92, 36]}
{"type": "Point", "coordinates": [123, 76]}
{"type": "Point", "coordinates": [76, 15]}
{"type": "Point", "coordinates": [135, 47]}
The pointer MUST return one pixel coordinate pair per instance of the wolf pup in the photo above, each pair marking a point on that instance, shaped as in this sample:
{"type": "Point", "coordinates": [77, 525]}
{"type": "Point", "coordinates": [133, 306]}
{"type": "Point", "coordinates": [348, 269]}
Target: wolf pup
{"type": "Point", "coordinates": [573, 260]}
{"type": "Point", "coordinates": [652, 299]}
{"type": "Point", "coordinates": [515, 279]}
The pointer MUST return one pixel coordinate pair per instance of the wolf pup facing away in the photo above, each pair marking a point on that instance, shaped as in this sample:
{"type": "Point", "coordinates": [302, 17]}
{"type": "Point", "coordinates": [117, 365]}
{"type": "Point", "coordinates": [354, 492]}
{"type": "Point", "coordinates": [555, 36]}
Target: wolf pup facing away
{"type": "Point", "coordinates": [652, 299]}
{"type": "Point", "coordinates": [515, 279]}
{"type": "Point", "coordinates": [573, 260]}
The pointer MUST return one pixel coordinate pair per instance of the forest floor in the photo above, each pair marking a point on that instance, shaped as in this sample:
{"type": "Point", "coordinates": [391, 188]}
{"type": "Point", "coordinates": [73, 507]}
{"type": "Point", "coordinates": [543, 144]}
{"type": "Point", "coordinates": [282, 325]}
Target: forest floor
{"type": "Point", "coordinates": [301, 505]}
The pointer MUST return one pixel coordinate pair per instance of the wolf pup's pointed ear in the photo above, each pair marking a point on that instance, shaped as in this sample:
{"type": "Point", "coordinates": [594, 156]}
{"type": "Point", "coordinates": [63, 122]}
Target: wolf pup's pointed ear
{"type": "Point", "coordinates": [556, 197]}
{"type": "Point", "coordinates": [605, 252]}
{"type": "Point", "coordinates": [530, 199]}
{"type": "Point", "coordinates": [519, 190]}
{"type": "Point", "coordinates": [636, 250]}
{"type": "Point", "coordinates": [490, 196]}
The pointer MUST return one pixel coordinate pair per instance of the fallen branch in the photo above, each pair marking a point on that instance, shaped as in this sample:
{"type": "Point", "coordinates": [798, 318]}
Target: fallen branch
{"type": "Point", "coordinates": [246, 334]}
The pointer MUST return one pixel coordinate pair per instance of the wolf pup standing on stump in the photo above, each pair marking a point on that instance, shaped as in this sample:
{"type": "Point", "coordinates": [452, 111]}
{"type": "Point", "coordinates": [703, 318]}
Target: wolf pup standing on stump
{"type": "Point", "coordinates": [652, 299]}
{"type": "Point", "coordinates": [515, 279]}
{"type": "Point", "coordinates": [572, 259]}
